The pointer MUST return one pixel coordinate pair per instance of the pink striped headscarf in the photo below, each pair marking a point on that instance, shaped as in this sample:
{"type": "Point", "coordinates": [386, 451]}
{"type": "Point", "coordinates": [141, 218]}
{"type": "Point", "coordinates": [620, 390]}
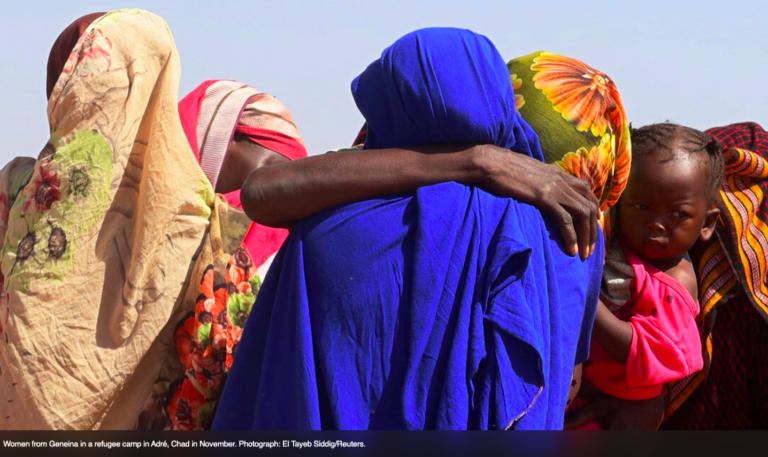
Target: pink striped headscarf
{"type": "Point", "coordinates": [210, 116]}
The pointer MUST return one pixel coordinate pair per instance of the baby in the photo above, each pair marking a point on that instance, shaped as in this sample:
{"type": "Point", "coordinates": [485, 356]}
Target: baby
{"type": "Point", "coordinates": [645, 331]}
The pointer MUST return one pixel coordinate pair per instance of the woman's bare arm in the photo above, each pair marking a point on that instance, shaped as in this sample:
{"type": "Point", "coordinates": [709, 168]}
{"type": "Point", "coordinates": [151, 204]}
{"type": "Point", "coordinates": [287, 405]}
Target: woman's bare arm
{"type": "Point", "coordinates": [278, 195]}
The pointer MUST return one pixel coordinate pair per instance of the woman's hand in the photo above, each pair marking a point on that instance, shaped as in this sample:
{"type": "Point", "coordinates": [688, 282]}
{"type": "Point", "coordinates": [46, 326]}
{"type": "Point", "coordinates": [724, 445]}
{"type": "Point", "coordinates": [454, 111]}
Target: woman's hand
{"type": "Point", "coordinates": [568, 199]}
{"type": "Point", "coordinates": [617, 414]}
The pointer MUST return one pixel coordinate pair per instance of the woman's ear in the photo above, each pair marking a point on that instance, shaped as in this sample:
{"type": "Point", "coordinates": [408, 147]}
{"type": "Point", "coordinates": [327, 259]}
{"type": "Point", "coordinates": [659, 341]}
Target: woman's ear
{"type": "Point", "coordinates": [710, 221]}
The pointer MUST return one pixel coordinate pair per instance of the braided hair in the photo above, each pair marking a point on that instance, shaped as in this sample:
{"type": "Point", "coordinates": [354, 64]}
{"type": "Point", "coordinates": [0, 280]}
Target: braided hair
{"type": "Point", "coordinates": [669, 138]}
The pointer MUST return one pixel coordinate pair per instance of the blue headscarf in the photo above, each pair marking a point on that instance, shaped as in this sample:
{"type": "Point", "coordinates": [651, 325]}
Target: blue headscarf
{"type": "Point", "coordinates": [440, 86]}
{"type": "Point", "coordinates": [448, 308]}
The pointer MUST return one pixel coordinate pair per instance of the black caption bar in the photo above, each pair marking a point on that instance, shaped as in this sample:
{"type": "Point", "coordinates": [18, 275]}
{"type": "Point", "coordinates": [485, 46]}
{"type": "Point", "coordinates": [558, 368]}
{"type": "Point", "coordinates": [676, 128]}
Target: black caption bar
{"type": "Point", "coordinates": [188, 444]}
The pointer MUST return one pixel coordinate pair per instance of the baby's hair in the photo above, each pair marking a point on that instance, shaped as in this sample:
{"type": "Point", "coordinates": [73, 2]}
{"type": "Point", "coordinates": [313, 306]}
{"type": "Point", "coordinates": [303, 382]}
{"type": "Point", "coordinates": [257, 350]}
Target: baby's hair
{"type": "Point", "coordinates": [668, 137]}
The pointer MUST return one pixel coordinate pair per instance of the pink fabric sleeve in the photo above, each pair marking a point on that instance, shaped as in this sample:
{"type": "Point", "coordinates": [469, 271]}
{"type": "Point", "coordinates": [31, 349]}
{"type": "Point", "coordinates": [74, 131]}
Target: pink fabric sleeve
{"type": "Point", "coordinates": [665, 339]}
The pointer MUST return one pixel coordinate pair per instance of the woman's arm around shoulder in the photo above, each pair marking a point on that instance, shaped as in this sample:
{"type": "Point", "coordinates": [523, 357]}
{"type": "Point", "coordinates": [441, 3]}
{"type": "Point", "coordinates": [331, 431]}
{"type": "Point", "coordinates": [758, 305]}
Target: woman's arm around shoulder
{"type": "Point", "coordinates": [281, 194]}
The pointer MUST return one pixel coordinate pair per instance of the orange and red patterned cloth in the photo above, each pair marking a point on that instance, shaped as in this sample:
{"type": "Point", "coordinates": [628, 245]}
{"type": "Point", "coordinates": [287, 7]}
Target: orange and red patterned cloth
{"type": "Point", "coordinates": [743, 234]}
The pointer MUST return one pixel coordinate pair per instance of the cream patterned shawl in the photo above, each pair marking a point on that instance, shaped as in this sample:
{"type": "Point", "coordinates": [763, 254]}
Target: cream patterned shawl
{"type": "Point", "coordinates": [101, 240]}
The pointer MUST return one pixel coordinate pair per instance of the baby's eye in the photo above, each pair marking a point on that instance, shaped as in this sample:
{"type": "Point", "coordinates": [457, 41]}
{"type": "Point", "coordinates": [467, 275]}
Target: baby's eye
{"type": "Point", "coordinates": [640, 207]}
{"type": "Point", "coordinates": [680, 214]}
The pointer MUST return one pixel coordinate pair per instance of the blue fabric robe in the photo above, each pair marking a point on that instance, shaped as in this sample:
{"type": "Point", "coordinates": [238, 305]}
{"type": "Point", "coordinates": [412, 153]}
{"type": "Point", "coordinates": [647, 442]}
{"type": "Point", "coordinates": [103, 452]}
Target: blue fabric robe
{"type": "Point", "coordinates": [448, 308]}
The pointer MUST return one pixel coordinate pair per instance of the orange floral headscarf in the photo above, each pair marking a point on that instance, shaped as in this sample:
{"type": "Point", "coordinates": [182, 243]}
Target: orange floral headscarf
{"type": "Point", "coordinates": [577, 113]}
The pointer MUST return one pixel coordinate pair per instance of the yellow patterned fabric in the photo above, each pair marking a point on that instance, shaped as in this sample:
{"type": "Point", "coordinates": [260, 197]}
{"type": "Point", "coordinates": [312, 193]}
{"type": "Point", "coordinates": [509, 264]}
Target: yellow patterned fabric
{"type": "Point", "coordinates": [578, 115]}
{"type": "Point", "coordinates": [745, 231]}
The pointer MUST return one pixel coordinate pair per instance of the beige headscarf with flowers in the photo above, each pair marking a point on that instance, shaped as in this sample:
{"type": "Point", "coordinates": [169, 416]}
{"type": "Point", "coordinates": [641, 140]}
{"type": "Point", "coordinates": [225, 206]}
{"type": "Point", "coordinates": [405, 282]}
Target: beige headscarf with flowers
{"type": "Point", "coordinates": [100, 241]}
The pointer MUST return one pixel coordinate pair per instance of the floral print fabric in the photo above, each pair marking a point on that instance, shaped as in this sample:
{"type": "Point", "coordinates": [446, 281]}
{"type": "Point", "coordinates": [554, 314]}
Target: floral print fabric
{"type": "Point", "coordinates": [209, 325]}
{"type": "Point", "coordinates": [578, 115]}
{"type": "Point", "coordinates": [100, 236]}
{"type": "Point", "coordinates": [13, 178]}
{"type": "Point", "coordinates": [66, 192]}
{"type": "Point", "coordinates": [206, 342]}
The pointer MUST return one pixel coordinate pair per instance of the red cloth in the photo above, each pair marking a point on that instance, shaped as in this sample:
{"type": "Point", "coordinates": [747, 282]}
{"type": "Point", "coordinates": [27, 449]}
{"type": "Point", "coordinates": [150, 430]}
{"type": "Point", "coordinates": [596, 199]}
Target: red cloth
{"type": "Point", "coordinates": [63, 46]}
{"type": "Point", "coordinates": [261, 241]}
{"type": "Point", "coordinates": [666, 345]}
{"type": "Point", "coordinates": [275, 141]}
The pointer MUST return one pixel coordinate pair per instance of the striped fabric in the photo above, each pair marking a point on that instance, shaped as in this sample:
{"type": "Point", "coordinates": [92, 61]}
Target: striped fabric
{"type": "Point", "coordinates": [735, 260]}
{"type": "Point", "coordinates": [219, 113]}
{"type": "Point", "coordinates": [744, 232]}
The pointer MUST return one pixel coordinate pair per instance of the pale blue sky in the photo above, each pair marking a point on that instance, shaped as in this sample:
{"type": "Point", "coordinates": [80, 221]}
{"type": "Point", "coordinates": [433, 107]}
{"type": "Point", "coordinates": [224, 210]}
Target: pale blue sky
{"type": "Point", "coordinates": [701, 65]}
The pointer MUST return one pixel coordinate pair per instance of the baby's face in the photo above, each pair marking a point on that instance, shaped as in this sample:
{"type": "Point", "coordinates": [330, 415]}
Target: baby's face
{"type": "Point", "coordinates": [662, 210]}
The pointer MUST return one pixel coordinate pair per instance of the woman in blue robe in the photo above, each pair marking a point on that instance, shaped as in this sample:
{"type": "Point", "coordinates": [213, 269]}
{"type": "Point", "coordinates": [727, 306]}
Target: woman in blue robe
{"type": "Point", "coordinates": [447, 308]}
